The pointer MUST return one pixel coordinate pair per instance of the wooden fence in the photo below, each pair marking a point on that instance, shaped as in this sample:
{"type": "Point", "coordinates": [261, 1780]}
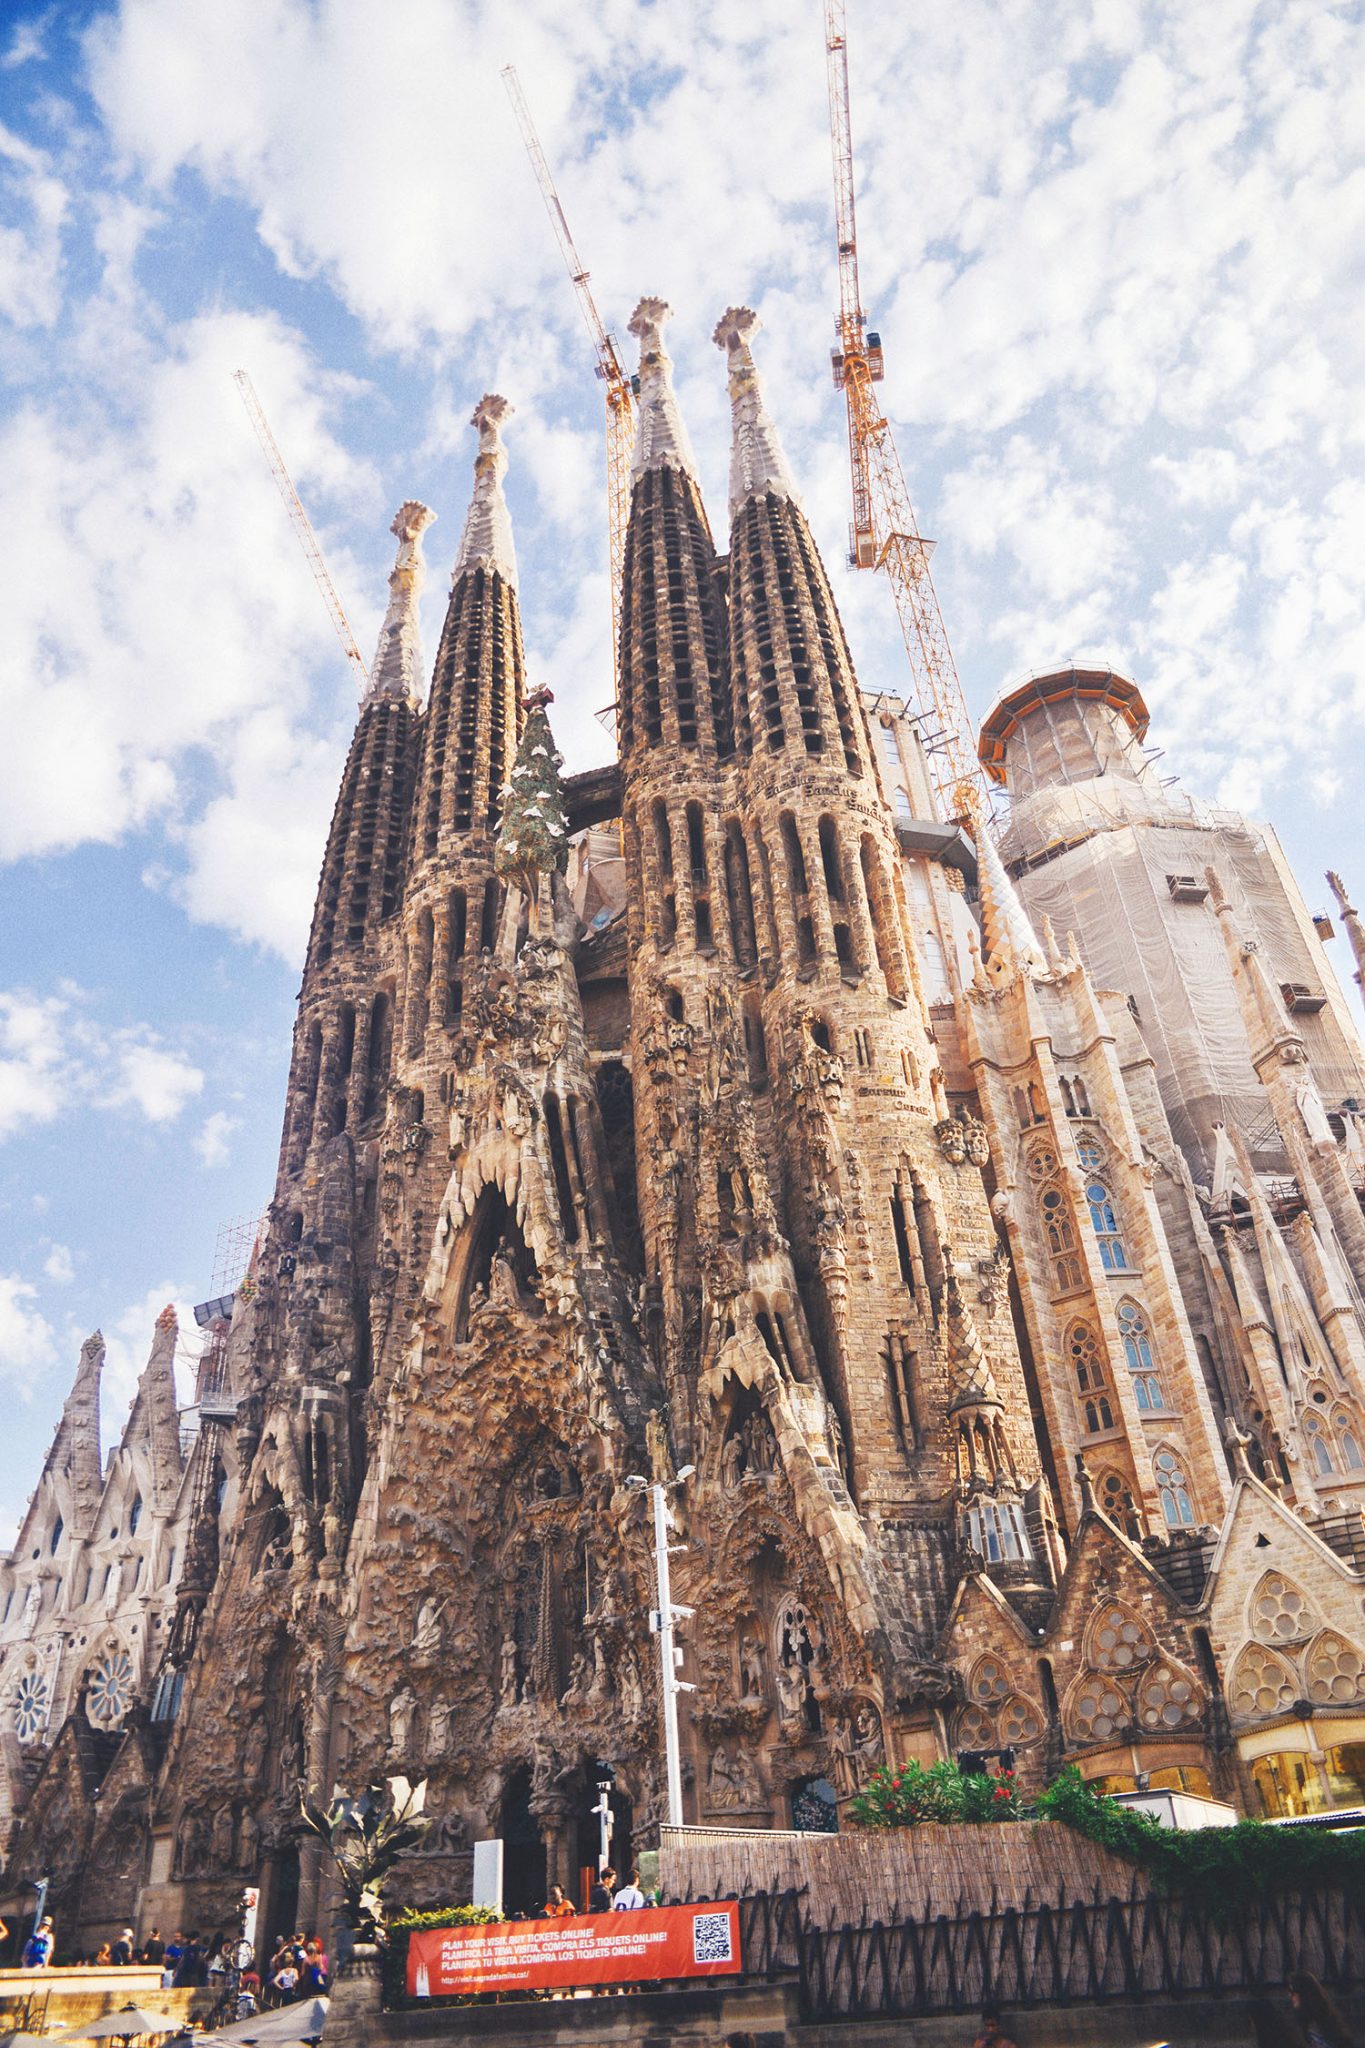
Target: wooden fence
{"type": "Point", "coordinates": [1131, 1948]}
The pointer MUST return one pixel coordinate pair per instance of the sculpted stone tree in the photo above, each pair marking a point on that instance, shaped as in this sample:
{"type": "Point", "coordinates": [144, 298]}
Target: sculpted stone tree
{"type": "Point", "coordinates": [533, 837]}
{"type": "Point", "coordinates": [365, 1838]}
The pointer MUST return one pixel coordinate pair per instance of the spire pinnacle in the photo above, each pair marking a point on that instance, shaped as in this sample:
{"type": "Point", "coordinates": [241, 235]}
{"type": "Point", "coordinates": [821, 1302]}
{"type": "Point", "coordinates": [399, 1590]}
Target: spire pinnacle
{"type": "Point", "coordinates": [1010, 941]}
{"type": "Point", "coordinates": [973, 1382]}
{"type": "Point", "coordinates": [486, 542]}
{"type": "Point", "coordinates": [533, 835]}
{"type": "Point", "coordinates": [661, 439]}
{"type": "Point", "coordinates": [398, 663]}
{"type": "Point", "coordinates": [757, 463]}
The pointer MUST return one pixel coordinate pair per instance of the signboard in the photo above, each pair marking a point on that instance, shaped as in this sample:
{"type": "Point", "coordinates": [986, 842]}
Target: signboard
{"type": "Point", "coordinates": [651, 1945]}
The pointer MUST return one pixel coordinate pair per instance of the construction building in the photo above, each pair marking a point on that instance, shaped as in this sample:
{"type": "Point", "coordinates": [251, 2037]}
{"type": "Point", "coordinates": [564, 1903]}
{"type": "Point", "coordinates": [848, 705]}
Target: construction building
{"type": "Point", "coordinates": [980, 1218]}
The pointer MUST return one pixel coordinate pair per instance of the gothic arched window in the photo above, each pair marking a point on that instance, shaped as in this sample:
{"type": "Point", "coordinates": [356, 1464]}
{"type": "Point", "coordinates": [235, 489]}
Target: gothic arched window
{"type": "Point", "coordinates": [1090, 1381]}
{"type": "Point", "coordinates": [1176, 1505]}
{"type": "Point", "coordinates": [1138, 1348]}
{"type": "Point", "coordinates": [1104, 1223]}
{"type": "Point", "coordinates": [1061, 1238]}
{"type": "Point", "coordinates": [1348, 1441]}
{"type": "Point", "coordinates": [1319, 1447]}
{"type": "Point", "coordinates": [1116, 1501]}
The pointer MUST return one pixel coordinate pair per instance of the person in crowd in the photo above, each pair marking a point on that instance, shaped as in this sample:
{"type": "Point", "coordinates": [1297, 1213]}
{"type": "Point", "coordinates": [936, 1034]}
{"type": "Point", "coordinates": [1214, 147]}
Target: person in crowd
{"type": "Point", "coordinates": [103, 1955]}
{"type": "Point", "coordinates": [599, 1898]}
{"type": "Point", "coordinates": [992, 2034]}
{"type": "Point", "coordinates": [285, 1981]}
{"type": "Point", "coordinates": [629, 1899]}
{"type": "Point", "coordinates": [154, 1949]}
{"type": "Point", "coordinates": [557, 1907]}
{"type": "Point", "coordinates": [313, 1981]}
{"type": "Point", "coordinates": [189, 1969]}
{"type": "Point", "coordinates": [39, 1946]}
{"type": "Point", "coordinates": [1322, 2024]}
{"type": "Point", "coordinates": [124, 1948]}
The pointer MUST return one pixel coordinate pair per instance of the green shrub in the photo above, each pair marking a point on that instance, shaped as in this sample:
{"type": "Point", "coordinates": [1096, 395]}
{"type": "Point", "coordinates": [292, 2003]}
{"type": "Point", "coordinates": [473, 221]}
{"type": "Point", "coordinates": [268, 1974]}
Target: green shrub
{"type": "Point", "coordinates": [900, 1795]}
{"type": "Point", "coordinates": [1233, 1865]}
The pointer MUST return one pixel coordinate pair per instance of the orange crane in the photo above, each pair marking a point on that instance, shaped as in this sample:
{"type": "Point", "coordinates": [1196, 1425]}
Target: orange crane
{"type": "Point", "coordinates": [303, 525]}
{"type": "Point", "coordinates": [620, 395]}
{"type": "Point", "coordinates": [885, 533]}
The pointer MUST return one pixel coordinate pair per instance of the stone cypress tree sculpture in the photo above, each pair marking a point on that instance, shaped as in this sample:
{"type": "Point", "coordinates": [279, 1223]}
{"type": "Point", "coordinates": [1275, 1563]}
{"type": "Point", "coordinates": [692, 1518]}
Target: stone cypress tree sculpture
{"type": "Point", "coordinates": [533, 837]}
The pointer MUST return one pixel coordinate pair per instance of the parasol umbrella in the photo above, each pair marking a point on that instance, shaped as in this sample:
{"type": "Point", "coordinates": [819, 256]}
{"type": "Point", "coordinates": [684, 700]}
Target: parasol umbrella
{"type": "Point", "coordinates": [24, 2040]}
{"type": "Point", "coordinates": [290, 2024]}
{"type": "Point", "coordinates": [126, 2024]}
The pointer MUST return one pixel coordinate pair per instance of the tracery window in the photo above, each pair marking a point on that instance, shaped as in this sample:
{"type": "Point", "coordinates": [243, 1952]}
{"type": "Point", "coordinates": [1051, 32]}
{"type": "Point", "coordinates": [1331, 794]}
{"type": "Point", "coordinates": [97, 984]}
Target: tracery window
{"type": "Point", "coordinates": [989, 1682]}
{"type": "Point", "coordinates": [1020, 1722]}
{"type": "Point", "coordinates": [1176, 1505]}
{"type": "Point", "coordinates": [1098, 1711]}
{"type": "Point", "coordinates": [1083, 1345]}
{"type": "Point", "coordinates": [30, 1706]}
{"type": "Point", "coordinates": [1167, 1699]}
{"type": "Point", "coordinates": [1348, 1441]}
{"type": "Point", "coordinates": [975, 1729]}
{"type": "Point", "coordinates": [1118, 1641]}
{"type": "Point", "coordinates": [1116, 1501]}
{"type": "Point", "coordinates": [1262, 1683]}
{"type": "Point", "coordinates": [1319, 1446]}
{"type": "Point", "coordinates": [111, 1689]}
{"type": "Point", "coordinates": [1336, 1670]}
{"type": "Point", "coordinates": [1104, 1222]}
{"type": "Point", "coordinates": [1061, 1238]}
{"type": "Point", "coordinates": [1280, 1613]}
{"type": "Point", "coordinates": [1137, 1346]}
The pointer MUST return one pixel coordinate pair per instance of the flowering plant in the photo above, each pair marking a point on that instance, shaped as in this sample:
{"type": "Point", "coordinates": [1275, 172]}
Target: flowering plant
{"type": "Point", "coordinates": [901, 1795]}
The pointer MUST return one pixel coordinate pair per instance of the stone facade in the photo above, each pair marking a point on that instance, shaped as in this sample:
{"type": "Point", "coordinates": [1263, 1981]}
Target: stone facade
{"type": "Point", "coordinates": [758, 1131]}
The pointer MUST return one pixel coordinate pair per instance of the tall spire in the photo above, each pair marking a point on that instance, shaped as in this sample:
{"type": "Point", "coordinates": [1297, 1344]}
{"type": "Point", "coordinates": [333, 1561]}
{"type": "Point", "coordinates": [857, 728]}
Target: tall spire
{"type": "Point", "coordinates": [1350, 917]}
{"type": "Point", "coordinates": [1008, 934]}
{"type": "Point", "coordinates": [156, 1415]}
{"type": "Point", "coordinates": [398, 664]}
{"type": "Point", "coordinates": [661, 439]}
{"type": "Point", "coordinates": [486, 542]}
{"type": "Point", "coordinates": [757, 463]}
{"type": "Point", "coordinates": [77, 1442]}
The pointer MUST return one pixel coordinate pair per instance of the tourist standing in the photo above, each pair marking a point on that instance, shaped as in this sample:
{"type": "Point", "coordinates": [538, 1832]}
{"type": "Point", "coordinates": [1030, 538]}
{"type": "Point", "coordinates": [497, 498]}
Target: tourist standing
{"type": "Point", "coordinates": [599, 1899]}
{"type": "Point", "coordinates": [123, 1949]}
{"type": "Point", "coordinates": [154, 1949]}
{"type": "Point", "coordinates": [1322, 2024]}
{"type": "Point", "coordinates": [630, 1898]}
{"type": "Point", "coordinates": [39, 1946]}
{"type": "Point", "coordinates": [557, 1907]}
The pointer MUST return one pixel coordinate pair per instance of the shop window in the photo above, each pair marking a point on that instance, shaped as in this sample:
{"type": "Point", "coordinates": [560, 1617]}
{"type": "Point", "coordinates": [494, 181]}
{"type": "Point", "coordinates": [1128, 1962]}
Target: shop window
{"type": "Point", "coordinates": [1288, 1785]}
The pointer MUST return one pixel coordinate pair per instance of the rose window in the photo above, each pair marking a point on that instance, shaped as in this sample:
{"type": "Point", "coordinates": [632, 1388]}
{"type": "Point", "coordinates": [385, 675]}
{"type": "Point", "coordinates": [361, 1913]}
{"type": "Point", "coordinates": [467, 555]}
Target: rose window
{"type": "Point", "coordinates": [1279, 1611]}
{"type": "Point", "coordinates": [989, 1682]}
{"type": "Point", "coordinates": [1099, 1711]}
{"type": "Point", "coordinates": [1262, 1683]}
{"type": "Point", "coordinates": [1120, 1642]}
{"type": "Point", "coordinates": [975, 1730]}
{"type": "Point", "coordinates": [111, 1689]}
{"type": "Point", "coordinates": [1167, 1699]}
{"type": "Point", "coordinates": [1019, 1722]}
{"type": "Point", "coordinates": [1336, 1670]}
{"type": "Point", "coordinates": [30, 1707]}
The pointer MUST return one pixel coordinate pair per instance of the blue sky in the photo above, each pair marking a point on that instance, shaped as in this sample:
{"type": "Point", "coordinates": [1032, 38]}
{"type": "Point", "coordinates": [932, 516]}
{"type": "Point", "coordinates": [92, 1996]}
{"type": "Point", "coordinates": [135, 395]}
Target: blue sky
{"type": "Point", "coordinates": [1113, 251]}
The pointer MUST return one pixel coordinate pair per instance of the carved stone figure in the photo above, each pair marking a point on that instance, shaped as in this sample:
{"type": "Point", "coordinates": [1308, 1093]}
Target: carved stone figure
{"type": "Point", "coordinates": [722, 1781]}
{"type": "Point", "coordinates": [751, 1682]}
{"type": "Point", "coordinates": [402, 1708]}
{"type": "Point", "coordinates": [248, 1841]}
{"type": "Point", "coordinates": [438, 1730]}
{"type": "Point", "coordinates": [426, 1638]}
{"type": "Point", "coordinates": [508, 1666]}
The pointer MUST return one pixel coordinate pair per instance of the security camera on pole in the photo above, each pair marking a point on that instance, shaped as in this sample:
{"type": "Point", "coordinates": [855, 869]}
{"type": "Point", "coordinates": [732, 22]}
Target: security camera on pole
{"type": "Point", "coordinates": [661, 1623]}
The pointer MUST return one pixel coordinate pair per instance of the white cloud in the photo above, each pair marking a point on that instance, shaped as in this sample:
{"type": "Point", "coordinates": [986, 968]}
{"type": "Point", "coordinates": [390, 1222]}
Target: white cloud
{"type": "Point", "coordinates": [213, 1145]}
{"type": "Point", "coordinates": [30, 253]}
{"type": "Point", "coordinates": [28, 1346]}
{"type": "Point", "coordinates": [156, 1082]}
{"type": "Point", "coordinates": [26, 45]}
{"type": "Point", "coordinates": [59, 1265]}
{"type": "Point", "coordinates": [57, 1057]}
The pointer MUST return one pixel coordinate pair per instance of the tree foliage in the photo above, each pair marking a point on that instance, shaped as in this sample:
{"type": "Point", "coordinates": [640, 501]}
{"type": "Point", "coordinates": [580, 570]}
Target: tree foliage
{"type": "Point", "coordinates": [365, 1838]}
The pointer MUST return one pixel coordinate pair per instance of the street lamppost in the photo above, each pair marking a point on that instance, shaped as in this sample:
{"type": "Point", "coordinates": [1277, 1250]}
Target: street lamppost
{"type": "Point", "coordinates": [661, 1621]}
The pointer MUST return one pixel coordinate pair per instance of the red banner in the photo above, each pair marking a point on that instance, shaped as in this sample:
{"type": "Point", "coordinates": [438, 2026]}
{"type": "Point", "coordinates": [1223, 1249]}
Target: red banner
{"type": "Point", "coordinates": [655, 1943]}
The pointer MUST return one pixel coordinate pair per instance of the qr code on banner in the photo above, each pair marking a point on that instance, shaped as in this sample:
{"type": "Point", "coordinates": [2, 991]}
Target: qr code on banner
{"type": "Point", "coordinates": [711, 1938]}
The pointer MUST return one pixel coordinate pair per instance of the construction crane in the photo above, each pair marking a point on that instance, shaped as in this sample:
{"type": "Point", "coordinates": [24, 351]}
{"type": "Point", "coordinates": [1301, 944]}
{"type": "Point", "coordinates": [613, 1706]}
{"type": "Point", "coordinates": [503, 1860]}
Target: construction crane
{"type": "Point", "coordinates": [884, 533]}
{"type": "Point", "coordinates": [303, 525]}
{"type": "Point", "coordinates": [620, 395]}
